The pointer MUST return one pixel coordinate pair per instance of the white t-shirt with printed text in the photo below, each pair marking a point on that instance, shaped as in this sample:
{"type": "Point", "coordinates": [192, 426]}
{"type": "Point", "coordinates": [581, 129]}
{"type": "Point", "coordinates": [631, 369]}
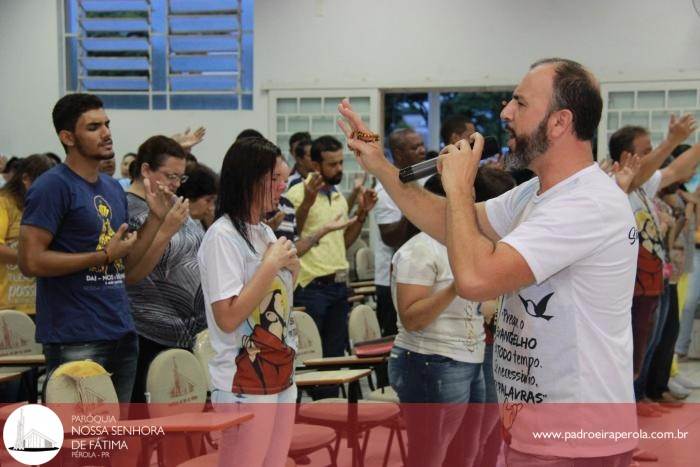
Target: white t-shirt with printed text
{"type": "Point", "coordinates": [568, 337]}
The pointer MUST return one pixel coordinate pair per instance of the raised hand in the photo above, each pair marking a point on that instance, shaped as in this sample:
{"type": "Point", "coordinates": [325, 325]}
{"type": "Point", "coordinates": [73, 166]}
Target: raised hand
{"type": "Point", "coordinates": [369, 155]}
{"type": "Point", "coordinates": [626, 170]}
{"type": "Point", "coordinates": [120, 244]}
{"type": "Point", "coordinates": [679, 129]}
{"type": "Point", "coordinates": [367, 199]}
{"type": "Point", "coordinates": [459, 162]}
{"type": "Point", "coordinates": [338, 223]}
{"type": "Point", "coordinates": [275, 221]}
{"type": "Point", "coordinates": [312, 185]}
{"type": "Point", "coordinates": [187, 140]}
{"type": "Point", "coordinates": [176, 217]}
{"type": "Point", "coordinates": [159, 199]}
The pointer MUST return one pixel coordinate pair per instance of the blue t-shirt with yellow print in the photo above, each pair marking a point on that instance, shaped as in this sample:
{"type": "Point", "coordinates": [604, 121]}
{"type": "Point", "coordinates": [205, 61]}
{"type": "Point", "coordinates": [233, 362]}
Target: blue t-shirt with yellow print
{"type": "Point", "coordinates": [89, 305]}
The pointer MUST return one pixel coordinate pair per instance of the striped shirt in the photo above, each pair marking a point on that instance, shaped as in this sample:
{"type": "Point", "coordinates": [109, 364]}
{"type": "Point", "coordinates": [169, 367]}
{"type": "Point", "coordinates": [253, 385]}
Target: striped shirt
{"type": "Point", "coordinates": [168, 305]}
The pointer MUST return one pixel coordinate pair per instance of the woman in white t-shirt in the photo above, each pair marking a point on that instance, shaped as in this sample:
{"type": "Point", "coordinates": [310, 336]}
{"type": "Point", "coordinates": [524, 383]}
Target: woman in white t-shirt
{"type": "Point", "coordinates": [438, 352]}
{"type": "Point", "coordinates": [247, 281]}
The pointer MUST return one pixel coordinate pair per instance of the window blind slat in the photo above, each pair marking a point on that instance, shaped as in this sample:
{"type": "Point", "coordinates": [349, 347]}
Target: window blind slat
{"type": "Point", "coordinates": [109, 44]}
{"type": "Point", "coordinates": [115, 63]}
{"type": "Point", "coordinates": [192, 63]}
{"type": "Point", "coordinates": [194, 24]}
{"type": "Point", "coordinates": [185, 44]}
{"type": "Point", "coordinates": [135, 83]}
{"type": "Point", "coordinates": [203, 82]}
{"type": "Point", "coordinates": [105, 6]}
{"type": "Point", "coordinates": [198, 6]}
{"type": "Point", "coordinates": [114, 25]}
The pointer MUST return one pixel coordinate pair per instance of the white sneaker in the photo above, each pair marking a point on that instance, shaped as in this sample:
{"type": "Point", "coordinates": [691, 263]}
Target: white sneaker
{"type": "Point", "coordinates": [677, 389]}
{"type": "Point", "coordinates": [686, 381]}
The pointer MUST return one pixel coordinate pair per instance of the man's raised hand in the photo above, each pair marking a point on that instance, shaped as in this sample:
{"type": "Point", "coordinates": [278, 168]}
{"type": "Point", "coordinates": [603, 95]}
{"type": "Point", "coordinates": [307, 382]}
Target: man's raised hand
{"type": "Point", "coordinates": [370, 156]}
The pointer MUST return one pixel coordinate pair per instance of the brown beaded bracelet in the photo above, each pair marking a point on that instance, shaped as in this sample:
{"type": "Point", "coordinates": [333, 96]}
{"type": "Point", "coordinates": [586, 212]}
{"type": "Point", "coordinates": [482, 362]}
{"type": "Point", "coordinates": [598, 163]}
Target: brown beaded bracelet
{"type": "Point", "coordinates": [366, 136]}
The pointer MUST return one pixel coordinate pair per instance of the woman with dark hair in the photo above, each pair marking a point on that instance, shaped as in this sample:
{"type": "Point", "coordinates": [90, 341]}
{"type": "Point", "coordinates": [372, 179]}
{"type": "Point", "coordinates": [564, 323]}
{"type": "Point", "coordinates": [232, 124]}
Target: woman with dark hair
{"type": "Point", "coordinates": [167, 303]}
{"type": "Point", "coordinates": [200, 190]}
{"type": "Point", "coordinates": [247, 280]}
{"type": "Point", "coordinates": [17, 292]}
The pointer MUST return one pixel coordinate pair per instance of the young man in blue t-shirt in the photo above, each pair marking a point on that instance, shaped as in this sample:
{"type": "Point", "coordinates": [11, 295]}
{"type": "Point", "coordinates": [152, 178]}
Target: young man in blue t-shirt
{"type": "Point", "coordinates": [74, 239]}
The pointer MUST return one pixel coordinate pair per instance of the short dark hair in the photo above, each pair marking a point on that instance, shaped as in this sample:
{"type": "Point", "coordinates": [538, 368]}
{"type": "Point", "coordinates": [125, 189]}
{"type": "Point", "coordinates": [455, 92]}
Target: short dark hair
{"type": "Point", "coordinates": [154, 151]}
{"type": "Point", "coordinates": [249, 133]}
{"type": "Point", "coordinates": [623, 140]}
{"type": "Point", "coordinates": [298, 137]}
{"type": "Point", "coordinates": [397, 138]}
{"type": "Point", "coordinates": [491, 182]}
{"type": "Point", "coordinates": [12, 164]}
{"type": "Point", "coordinates": [246, 163]}
{"type": "Point", "coordinates": [201, 181]}
{"type": "Point", "coordinates": [323, 144]}
{"type": "Point", "coordinates": [32, 166]}
{"type": "Point", "coordinates": [54, 157]}
{"type": "Point", "coordinates": [300, 148]}
{"type": "Point", "coordinates": [576, 89]}
{"type": "Point", "coordinates": [452, 124]}
{"type": "Point", "coordinates": [70, 107]}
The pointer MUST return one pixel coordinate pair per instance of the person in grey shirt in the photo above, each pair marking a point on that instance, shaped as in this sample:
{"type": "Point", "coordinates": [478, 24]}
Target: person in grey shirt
{"type": "Point", "coordinates": [167, 305]}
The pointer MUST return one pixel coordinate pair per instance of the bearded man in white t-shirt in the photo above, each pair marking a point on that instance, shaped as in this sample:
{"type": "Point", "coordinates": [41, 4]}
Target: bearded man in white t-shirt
{"type": "Point", "coordinates": [560, 250]}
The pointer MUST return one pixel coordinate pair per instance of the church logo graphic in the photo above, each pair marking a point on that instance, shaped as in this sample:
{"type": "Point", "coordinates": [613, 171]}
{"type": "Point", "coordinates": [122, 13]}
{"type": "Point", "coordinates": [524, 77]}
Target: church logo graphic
{"type": "Point", "coordinates": [33, 434]}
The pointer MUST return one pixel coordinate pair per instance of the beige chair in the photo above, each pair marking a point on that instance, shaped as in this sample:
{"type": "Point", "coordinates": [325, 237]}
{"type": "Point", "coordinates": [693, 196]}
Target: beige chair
{"type": "Point", "coordinates": [204, 352]}
{"type": "Point", "coordinates": [17, 331]}
{"type": "Point", "coordinates": [308, 338]}
{"type": "Point", "coordinates": [364, 264]}
{"type": "Point", "coordinates": [364, 326]}
{"type": "Point", "coordinates": [350, 255]}
{"type": "Point", "coordinates": [332, 412]}
{"type": "Point", "coordinates": [175, 383]}
{"type": "Point", "coordinates": [85, 388]}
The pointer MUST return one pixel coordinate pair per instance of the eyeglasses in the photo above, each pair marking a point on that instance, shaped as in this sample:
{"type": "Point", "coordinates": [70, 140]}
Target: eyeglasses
{"type": "Point", "coordinates": [175, 177]}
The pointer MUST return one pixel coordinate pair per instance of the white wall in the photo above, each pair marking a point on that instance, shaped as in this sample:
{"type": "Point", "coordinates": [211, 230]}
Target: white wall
{"type": "Point", "coordinates": [365, 44]}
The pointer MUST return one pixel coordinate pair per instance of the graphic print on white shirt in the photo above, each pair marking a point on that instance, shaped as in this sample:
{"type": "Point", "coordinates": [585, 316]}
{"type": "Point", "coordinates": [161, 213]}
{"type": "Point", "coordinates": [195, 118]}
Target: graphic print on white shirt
{"type": "Point", "coordinates": [567, 338]}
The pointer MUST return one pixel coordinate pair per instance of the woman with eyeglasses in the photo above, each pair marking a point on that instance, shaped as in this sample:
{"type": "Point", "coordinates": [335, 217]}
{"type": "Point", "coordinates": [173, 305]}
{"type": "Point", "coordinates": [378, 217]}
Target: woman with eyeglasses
{"type": "Point", "coordinates": [167, 303]}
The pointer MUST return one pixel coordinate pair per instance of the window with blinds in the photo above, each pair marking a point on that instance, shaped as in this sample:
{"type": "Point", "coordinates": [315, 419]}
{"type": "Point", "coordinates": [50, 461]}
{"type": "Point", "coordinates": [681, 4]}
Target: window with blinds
{"type": "Point", "coordinates": [161, 54]}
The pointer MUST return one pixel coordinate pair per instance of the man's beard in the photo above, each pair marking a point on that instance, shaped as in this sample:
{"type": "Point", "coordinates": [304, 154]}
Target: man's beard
{"type": "Point", "coordinates": [528, 147]}
{"type": "Point", "coordinates": [101, 157]}
{"type": "Point", "coordinates": [335, 180]}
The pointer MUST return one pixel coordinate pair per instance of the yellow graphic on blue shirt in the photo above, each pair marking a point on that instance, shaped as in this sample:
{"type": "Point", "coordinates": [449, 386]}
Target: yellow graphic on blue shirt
{"type": "Point", "coordinates": [265, 363]}
{"type": "Point", "coordinates": [104, 212]}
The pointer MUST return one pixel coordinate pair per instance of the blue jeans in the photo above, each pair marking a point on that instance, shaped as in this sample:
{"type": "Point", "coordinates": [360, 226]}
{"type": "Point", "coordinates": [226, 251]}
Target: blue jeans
{"type": "Point", "coordinates": [118, 357]}
{"type": "Point", "coordinates": [640, 384]}
{"type": "Point", "coordinates": [328, 306]}
{"type": "Point", "coordinates": [434, 392]}
{"type": "Point", "coordinates": [690, 307]}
